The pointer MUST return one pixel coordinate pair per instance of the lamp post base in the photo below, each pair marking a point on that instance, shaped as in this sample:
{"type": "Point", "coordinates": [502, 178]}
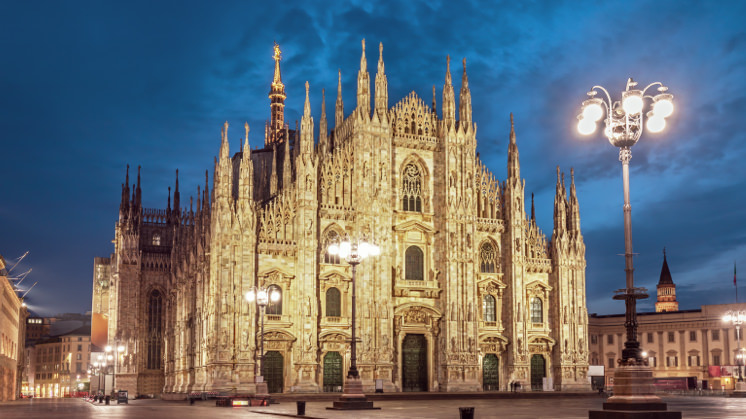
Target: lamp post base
{"type": "Point", "coordinates": [634, 397]}
{"type": "Point", "coordinates": [353, 397]}
{"type": "Point", "coordinates": [261, 389]}
{"type": "Point", "coordinates": [740, 390]}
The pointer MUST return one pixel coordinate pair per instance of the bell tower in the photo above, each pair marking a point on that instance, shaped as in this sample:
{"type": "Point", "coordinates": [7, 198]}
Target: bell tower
{"type": "Point", "coordinates": [666, 290]}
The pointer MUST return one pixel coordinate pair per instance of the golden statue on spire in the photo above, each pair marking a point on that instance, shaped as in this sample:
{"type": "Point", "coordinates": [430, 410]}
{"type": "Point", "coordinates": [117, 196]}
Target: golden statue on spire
{"type": "Point", "coordinates": [277, 55]}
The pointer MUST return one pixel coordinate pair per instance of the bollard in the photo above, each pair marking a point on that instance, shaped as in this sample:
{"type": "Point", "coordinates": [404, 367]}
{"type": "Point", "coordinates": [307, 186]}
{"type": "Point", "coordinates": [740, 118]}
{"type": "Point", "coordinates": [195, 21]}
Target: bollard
{"type": "Point", "coordinates": [301, 405]}
{"type": "Point", "coordinates": [466, 412]}
{"type": "Point", "coordinates": [100, 399]}
{"type": "Point", "coordinates": [191, 400]}
{"type": "Point", "coordinates": [108, 398]}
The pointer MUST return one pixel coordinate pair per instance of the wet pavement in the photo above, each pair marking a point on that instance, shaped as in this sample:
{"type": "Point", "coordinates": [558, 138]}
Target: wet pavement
{"type": "Point", "coordinates": [555, 407]}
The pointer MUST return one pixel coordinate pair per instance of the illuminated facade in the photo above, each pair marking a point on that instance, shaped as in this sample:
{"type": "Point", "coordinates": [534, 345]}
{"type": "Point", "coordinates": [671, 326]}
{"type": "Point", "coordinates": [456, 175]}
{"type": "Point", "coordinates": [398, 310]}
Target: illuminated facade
{"type": "Point", "coordinates": [467, 294]}
{"type": "Point", "coordinates": [12, 330]}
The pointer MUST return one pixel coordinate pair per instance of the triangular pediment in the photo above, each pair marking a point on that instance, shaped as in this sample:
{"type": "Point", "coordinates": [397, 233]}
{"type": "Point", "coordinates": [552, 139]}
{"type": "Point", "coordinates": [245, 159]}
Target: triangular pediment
{"type": "Point", "coordinates": [275, 271]}
{"type": "Point", "coordinates": [335, 273]}
{"type": "Point", "coordinates": [414, 225]}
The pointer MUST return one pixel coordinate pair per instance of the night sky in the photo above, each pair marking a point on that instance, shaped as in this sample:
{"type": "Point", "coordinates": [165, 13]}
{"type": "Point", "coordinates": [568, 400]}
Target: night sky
{"type": "Point", "coordinates": [89, 87]}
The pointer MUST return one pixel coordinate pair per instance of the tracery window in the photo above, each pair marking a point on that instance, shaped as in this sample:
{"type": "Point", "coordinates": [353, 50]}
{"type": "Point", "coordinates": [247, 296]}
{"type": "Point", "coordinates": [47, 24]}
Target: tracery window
{"type": "Point", "coordinates": [274, 307]}
{"type": "Point", "coordinates": [487, 258]}
{"type": "Point", "coordinates": [414, 264]}
{"type": "Point", "coordinates": [156, 239]}
{"type": "Point", "coordinates": [331, 237]}
{"type": "Point", "coordinates": [333, 306]}
{"type": "Point", "coordinates": [411, 188]}
{"type": "Point", "coordinates": [537, 315]}
{"type": "Point", "coordinates": [155, 338]}
{"type": "Point", "coordinates": [488, 308]}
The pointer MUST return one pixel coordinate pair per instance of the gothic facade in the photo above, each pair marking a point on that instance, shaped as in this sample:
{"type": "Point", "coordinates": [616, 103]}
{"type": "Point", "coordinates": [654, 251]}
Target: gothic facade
{"type": "Point", "coordinates": [467, 293]}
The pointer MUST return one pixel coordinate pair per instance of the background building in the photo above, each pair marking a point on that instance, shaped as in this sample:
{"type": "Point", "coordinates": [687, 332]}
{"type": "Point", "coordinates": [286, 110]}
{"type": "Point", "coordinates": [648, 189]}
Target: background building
{"type": "Point", "coordinates": [57, 357]}
{"type": "Point", "coordinates": [12, 329]}
{"type": "Point", "coordinates": [678, 343]}
{"type": "Point", "coordinates": [467, 294]}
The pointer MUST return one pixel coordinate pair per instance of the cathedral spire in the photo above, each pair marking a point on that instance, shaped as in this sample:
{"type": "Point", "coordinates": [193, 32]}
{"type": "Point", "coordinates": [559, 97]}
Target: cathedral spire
{"type": "Point", "coordinates": [168, 205]}
{"type": "Point", "coordinates": [273, 173]}
{"type": "Point", "coordinates": [382, 87]}
{"type": "Point", "coordinates": [464, 102]}
{"type": "Point", "coordinates": [277, 102]}
{"type": "Point", "coordinates": [449, 104]}
{"type": "Point", "coordinates": [124, 205]}
{"type": "Point", "coordinates": [287, 173]}
{"type": "Point", "coordinates": [138, 195]}
{"type": "Point", "coordinates": [573, 212]}
{"type": "Point", "coordinates": [246, 173]}
{"type": "Point", "coordinates": [322, 124]}
{"type": "Point", "coordinates": [177, 195]}
{"type": "Point", "coordinates": [533, 211]}
{"type": "Point", "coordinates": [339, 113]}
{"type": "Point", "coordinates": [514, 166]}
{"type": "Point", "coordinates": [560, 210]}
{"type": "Point", "coordinates": [435, 110]}
{"type": "Point", "coordinates": [363, 86]}
{"type": "Point", "coordinates": [206, 192]}
{"type": "Point", "coordinates": [305, 148]}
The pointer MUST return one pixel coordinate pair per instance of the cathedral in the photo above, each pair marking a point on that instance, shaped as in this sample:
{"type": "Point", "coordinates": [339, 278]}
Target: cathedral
{"type": "Point", "coordinates": [467, 294]}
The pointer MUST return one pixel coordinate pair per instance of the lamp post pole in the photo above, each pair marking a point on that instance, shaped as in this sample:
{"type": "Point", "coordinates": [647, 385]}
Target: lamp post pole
{"type": "Point", "coordinates": [262, 296]}
{"type": "Point", "coordinates": [737, 318]}
{"type": "Point", "coordinates": [353, 252]}
{"type": "Point", "coordinates": [633, 378]}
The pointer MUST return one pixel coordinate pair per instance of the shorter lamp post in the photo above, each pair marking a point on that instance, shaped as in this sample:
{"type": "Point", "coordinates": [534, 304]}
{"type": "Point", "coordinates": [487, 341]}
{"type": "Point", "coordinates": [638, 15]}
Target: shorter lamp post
{"type": "Point", "coordinates": [353, 251]}
{"type": "Point", "coordinates": [117, 350]}
{"type": "Point", "coordinates": [262, 296]}
{"type": "Point", "coordinates": [737, 318]}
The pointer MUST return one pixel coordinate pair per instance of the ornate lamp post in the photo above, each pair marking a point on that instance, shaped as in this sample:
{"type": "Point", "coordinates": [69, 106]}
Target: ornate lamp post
{"type": "Point", "coordinates": [262, 296]}
{"type": "Point", "coordinates": [737, 318]}
{"type": "Point", "coordinates": [353, 251]}
{"type": "Point", "coordinates": [633, 378]}
{"type": "Point", "coordinates": [117, 350]}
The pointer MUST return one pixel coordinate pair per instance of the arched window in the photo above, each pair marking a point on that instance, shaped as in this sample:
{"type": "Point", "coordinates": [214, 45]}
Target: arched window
{"type": "Point", "coordinates": [537, 315]}
{"type": "Point", "coordinates": [274, 307]}
{"type": "Point", "coordinates": [488, 308]}
{"type": "Point", "coordinates": [333, 306]}
{"type": "Point", "coordinates": [156, 239]}
{"type": "Point", "coordinates": [411, 188]}
{"type": "Point", "coordinates": [331, 237]}
{"type": "Point", "coordinates": [155, 338]}
{"type": "Point", "coordinates": [414, 264]}
{"type": "Point", "coordinates": [487, 258]}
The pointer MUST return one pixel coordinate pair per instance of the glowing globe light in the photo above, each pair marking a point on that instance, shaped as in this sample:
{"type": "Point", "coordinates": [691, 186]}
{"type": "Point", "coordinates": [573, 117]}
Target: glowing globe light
{"type": "Point", "coordinates": [663, 108]}
{"type": "Point", "coordinates": [274, 296]}
{"type": "Point", "coordinates": [333, 249]}
{"type": "Point", "coordinates": [632, 104]}
{"type": "Point", "coordinates": [362, 249]}
{"type": "Point", "coordinates": [586, 126]}
{"type": "Point", "coordinates": [593, 112]}
{"type": "Point", "coordinates": [656, 123]}
{"type": "Point", "coordinates": [344, 249]}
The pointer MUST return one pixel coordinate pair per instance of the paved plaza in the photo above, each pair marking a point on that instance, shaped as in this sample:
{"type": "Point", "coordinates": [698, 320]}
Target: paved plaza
{"type": "Point", "coordinates": [557, 407]}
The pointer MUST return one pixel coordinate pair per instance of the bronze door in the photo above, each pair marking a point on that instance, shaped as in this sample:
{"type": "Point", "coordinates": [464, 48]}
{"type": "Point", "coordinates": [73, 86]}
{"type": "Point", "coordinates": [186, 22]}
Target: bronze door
{"type": "Point", "coordinates": [538, 372]}
{"type": "Point", "coordinates": [333, 380]}
{"type": "Point", "coordinates": [490, 372]}
{"type": "Point", "coordinates": [414, 363]}
{"type": "Point", "coordinates": [273, 371]}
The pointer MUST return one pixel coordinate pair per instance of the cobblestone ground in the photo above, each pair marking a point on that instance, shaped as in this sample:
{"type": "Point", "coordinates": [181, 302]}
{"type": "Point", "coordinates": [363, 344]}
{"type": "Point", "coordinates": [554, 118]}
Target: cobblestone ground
{"type": "Point", "coordinates": [692, 407]}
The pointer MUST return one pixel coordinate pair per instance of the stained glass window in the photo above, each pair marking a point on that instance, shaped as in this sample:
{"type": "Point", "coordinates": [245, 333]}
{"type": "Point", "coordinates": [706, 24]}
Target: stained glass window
{"type": "Point", "coordinates": [487, 258]}
{"type": "Point", "coordinates": [411, 190]}
{"type": "Point", "coordinates": [333, 306]}
{"type": "Point", "coordinates": [488, 308]}
{"type": "Point", "coordinates": [537, 315]}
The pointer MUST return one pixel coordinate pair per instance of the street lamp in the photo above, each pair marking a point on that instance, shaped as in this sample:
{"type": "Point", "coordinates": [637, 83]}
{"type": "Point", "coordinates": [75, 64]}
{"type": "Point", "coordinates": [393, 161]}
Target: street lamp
{"type": "Point", "coordinates": [262, 296]}
{"type": "Point", "coordinates": [633, 389]}
{"type": "Point", "coordinates": [119, 349]}
{"type": "Point", "coordinates": [737, 318]}
{"type": "Point", "coordinates": [353, 251]}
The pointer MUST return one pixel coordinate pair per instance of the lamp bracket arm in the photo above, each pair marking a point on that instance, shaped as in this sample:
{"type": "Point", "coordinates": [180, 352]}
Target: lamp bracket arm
{"type": "Point", "coordinates": [608, 96]}
{"type": "Point", "coordinates": [657, 83]}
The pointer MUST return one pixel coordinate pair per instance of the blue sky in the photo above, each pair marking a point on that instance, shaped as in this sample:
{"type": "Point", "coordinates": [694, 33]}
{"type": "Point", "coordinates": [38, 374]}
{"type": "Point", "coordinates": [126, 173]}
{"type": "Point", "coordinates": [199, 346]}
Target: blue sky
{"type": "Point", "coordinates": [89, 87]}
